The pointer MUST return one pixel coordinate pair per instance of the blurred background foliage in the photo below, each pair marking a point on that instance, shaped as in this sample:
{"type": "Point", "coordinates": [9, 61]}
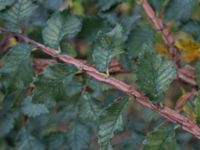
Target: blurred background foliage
{"type": "Point", "coordinates": [70, 111]}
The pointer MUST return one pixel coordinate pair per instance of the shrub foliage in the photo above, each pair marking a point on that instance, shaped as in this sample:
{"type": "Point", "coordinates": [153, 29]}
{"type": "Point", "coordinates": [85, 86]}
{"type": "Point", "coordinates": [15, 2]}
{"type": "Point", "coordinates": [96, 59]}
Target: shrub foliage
{"type": "Point", "coordinates": [59, 107]}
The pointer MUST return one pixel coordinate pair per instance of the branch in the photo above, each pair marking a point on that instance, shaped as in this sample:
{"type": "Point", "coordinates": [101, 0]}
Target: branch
{"type": "Point", "coordinates": [168, 113]}
{"type": "Point", "coordinates": [158, 24]}
{"type": "Point", "coordinates": [40, 64]}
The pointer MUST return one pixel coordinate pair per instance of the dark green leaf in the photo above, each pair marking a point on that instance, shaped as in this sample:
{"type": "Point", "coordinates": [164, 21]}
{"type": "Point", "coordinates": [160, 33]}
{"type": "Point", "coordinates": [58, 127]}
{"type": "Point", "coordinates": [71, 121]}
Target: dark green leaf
{"type": "Point", "coordinates": [89, 108]}
{"type": "Point", "coordinates": [192, 27]}
{"type": "Point", "coordinates": [179, 9]}
{"type": "Point", "coordinates": [156, 4]}
{"type": "Point", "coordinates": [33, 109]}
{"type": "Point", "coordinates": [18, 12]}
{"type": "Point", "coordinates": [91, 25]}
{"type": "Point", "coordinates": [78, 137]}
{"type": "Point", "coordinates": [106, 47]}
{"type": "Point", "coordinates": [110, 122]}
{"type": "Point", "coordinates": [53, 83]}
{"type": "Point", "coordinates": [56, 141]}
{"type": "Point", "coordinates": [140, 38]}
{"type": "Point", "coordinates": [128, 22]}
{"type": "Point", "coordinates": [162, 138]}
{"type": "Point", "coordinates": [7, 122]}
{"type": "Point", "coordinates": [154, 75]}
{"type": "Point", "coordinates": [59, 25]}
{"type": "Point", "coordinates": [16, 72]}
{"type": "Point", "coordinates": [27, 141]}
{"type": "Point", "coordinates": [105, 5]}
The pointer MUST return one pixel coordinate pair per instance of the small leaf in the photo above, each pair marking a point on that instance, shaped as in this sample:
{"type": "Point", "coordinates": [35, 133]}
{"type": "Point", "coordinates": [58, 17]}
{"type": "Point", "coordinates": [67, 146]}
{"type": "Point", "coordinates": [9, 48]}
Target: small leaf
{"type": "Point", "coordinates": [32, 110]}
{"type": "Point", "coordinates": [111, 121]}
{"type": "Point", "coordinates": [27, 141]}
{"type": "Point", "coordinates": [18, 12]}
{"type": "Point", "coordinates": [139, 38]}
{"type": "Point", "coordinates": [179, 9]}
{"type": "Point", "coordinates": [78, 137]}
{"type": "Point", "coordinates": [59, 25]}
{"type": "Point", "coordinates": [53, 83]}
{"type": "Point", "coordinates": [154, 75]}
{"type": "Point", "coordinates": [7, 122]}
{"type": "Point", "coordinates": [163, 137]}
{"type": "Point", "coordinates": [16, 72]}
{"type": "Point", "coordinates": [5, 3]}
{"type": "Point", "coordinates": [107, 46]}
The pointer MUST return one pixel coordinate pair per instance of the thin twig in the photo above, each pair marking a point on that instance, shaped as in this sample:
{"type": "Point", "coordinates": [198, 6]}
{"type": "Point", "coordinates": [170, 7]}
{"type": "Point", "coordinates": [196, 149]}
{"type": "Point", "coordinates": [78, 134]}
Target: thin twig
{"type": "Point", "coordinates": [186, 97]}
{"type": "Point", "coordinates": [168, 113]}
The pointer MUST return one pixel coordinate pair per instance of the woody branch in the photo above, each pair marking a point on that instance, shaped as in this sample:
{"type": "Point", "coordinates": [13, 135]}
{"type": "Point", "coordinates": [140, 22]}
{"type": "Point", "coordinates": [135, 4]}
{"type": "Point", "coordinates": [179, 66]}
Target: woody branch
{"type": "Point", "coordinates": [166, 112]}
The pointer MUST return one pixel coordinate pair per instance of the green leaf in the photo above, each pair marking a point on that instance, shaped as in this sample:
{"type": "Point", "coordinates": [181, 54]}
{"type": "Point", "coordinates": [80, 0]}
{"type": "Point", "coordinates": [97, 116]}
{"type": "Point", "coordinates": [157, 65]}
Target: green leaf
{"type": "Point", "coordinates": [162, 138]}
{"type": "Point", "coordinates": [89, 108]}
{"type": "Point", "coordinates": [192, 27]}
{"type": "Point", "coordinates": [197, 108]}
{"type": "Point", "coordinates": [17, 13]}
{"type": "Point", "coordinates": [129, 22]}
{"type": "Point", "coordinates": [27, 141]}
{"type": "Point", "coordinates": [78, 137]}
{"type": "Point", "coordinates": [31, 109]}
{"type": "Point", "coordinates": [7, 121]}
{"type": "Point", "coordinates": [179, 9]}
{"type": "Point", "coordinates": [16, 72]}
{"type": "Point", "coordinates": [197, 69]}
{"type": "Point", "coordinates": [59, 25]}
{"type": "Point", "coordinates": [5, 3]}
{"type": "Point", "coordinates": [107, 46]}
{"type": "Point", "coordinates": [53, 83]}
{"type": "Point", "coordinates": [139, 38]}
{"type": "Point", "coordinates": [105, 5]}
{"type": "Point", "coordinates": [154, 75]}
{"type": "Point", "coordinates": [110, 122]}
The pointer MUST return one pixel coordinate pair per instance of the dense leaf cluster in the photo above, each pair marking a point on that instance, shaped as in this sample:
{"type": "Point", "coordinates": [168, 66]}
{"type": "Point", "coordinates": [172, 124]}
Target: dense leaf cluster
{"type": "Point", "coordinates": [62, 108]}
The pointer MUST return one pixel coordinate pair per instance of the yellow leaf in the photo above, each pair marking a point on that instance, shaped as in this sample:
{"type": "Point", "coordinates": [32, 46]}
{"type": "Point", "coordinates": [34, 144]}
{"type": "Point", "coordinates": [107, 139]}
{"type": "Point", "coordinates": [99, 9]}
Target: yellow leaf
{"type": "Point", "coordinates": [189, 49]}
{"type": "Point", "coordinates": [161, 48]}
{"type": "Point", "coordinates": [76, 7]}
{"type": "Point", "coordinates": [12, 42]}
